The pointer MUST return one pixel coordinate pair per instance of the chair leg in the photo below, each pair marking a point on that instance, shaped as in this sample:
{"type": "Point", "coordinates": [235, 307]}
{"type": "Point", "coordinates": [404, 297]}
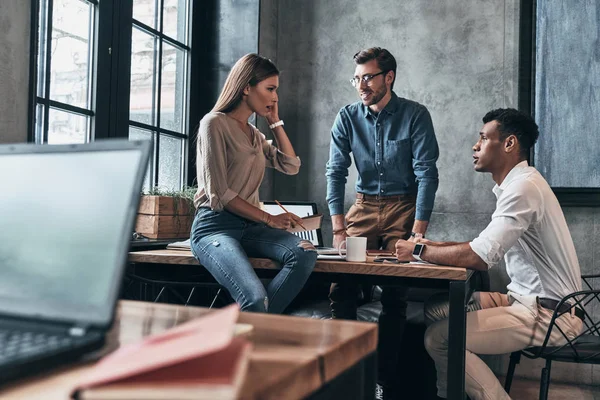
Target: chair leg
{"type": "Point", "coordinates": [215, 299]}
{"type": "Point", "coordinates": [515, 358]}
{"type": "Point", "coordinates": [545, 381]}
{"type": "Point", "coordinates": [159, 294]}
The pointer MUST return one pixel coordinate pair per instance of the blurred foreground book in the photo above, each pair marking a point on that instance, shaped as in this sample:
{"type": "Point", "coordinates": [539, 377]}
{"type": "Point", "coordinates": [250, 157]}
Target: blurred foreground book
{"type": "Point", "coordinates": [197, 360]}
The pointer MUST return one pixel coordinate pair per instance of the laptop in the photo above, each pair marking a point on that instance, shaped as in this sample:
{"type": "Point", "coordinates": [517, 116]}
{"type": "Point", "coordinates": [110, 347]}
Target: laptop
{"type": "Point", "coordinates": [66, 218]}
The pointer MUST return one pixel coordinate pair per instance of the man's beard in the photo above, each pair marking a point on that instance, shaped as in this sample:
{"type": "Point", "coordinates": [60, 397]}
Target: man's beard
{"type": "Point", "coordinates": [375, 97]}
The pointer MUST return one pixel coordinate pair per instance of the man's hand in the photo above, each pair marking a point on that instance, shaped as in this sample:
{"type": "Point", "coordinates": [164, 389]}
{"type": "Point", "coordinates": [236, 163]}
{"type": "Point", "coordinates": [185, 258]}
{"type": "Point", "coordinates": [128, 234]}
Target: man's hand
{"type": "Point", "coordinates": [404, 249]}
{"type": "Point", "coordinates": [338, 238]}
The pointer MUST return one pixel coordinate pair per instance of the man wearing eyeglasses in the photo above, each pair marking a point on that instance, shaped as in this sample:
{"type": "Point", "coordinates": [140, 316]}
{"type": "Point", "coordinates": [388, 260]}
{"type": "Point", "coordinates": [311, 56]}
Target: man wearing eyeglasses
{"type": "Point", "coordinates": [395, 151]}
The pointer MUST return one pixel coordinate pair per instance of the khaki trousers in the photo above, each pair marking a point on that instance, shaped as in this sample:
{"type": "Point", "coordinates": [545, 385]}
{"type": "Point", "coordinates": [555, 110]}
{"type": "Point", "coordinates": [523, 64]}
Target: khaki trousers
{"type": "Point", "coordinates": [498, 324]}
{"type": "Point", "coordinates": [383, 221]}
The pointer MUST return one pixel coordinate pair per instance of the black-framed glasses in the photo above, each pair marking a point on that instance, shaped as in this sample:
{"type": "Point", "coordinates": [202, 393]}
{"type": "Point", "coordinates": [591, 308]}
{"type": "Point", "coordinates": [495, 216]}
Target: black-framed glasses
{"type": "Point", "coordinates": [367, 78]}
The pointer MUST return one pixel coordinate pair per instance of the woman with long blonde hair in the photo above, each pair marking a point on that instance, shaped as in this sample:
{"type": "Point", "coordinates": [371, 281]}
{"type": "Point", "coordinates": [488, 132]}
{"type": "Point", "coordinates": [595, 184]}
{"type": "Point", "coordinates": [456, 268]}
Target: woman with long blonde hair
{"type": "Point", "coordinates": [229, 225]}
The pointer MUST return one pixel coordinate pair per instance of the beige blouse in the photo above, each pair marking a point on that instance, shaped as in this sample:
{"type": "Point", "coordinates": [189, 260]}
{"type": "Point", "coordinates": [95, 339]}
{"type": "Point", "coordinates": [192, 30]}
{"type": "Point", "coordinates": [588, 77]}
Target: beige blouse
{"type": "Point", "coordinates": [228, 164]}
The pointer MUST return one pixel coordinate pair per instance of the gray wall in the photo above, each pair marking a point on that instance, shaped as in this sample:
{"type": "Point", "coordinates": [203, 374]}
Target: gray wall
{"type": "Point", "coordinates": [459, 58]}
{"type": "Point", "coordinates": [14, 69]}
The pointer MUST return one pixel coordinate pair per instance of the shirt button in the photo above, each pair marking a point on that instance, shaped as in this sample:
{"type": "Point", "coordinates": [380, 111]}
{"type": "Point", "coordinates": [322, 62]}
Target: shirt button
{"type": "Point", "coordinates": [377, 143]}
{"type": "Point", "coordinates": [381, 174]}
{"type": "Point", "coordinates": [378, 162]}
{"type": "Point", "coordinates": [382, 190]}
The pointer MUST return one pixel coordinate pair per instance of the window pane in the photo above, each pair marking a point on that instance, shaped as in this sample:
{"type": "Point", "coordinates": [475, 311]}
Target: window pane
{"type": "Point", "coordinates": [70, 62]}
{"type": "Point", "coordinates": [143, 77]}
{"type": "Point", "coordinates": [142, 134]}
{"type": "Point", "coordinates": [173, 92]}
{"type": "Point", "coordinates": [169, 163]}
{"type": "Point", "coordinates": [39, 124]}
{"type": "Point", "coordinates": [145, 12]}
{"type": "Point", "coordinates": [66, 127]}
{"type": "Point", "coordinates": [175, 17]}
{"type": "Point", "coordinates": [42, 38]}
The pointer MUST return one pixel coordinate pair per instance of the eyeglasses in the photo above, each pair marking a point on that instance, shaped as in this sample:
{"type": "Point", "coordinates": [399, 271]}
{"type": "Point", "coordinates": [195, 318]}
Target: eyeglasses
{"type": "Point", "coordinates": [367, 78]}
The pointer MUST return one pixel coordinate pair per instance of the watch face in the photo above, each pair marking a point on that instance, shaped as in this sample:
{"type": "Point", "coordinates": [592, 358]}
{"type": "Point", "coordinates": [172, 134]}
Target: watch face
{"type": "Point", "coordinates": [418, 249]}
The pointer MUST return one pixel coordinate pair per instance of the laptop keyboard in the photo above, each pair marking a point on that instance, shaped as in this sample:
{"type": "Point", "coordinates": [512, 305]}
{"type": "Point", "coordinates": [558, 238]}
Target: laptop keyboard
{"type": "Point", "coordinates": [17, 344]}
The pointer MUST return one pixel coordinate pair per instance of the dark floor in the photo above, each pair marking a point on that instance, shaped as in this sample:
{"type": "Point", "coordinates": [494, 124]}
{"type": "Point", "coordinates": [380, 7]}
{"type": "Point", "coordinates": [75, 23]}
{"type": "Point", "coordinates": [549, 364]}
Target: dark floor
{"type": "Point", "coordinates": [529, 390]}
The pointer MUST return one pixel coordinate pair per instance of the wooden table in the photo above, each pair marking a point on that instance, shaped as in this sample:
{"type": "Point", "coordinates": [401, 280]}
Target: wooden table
{"type": "Point", "coordinates": [459, 281]}
{"type": "Point", "coordinates": [291, 358]}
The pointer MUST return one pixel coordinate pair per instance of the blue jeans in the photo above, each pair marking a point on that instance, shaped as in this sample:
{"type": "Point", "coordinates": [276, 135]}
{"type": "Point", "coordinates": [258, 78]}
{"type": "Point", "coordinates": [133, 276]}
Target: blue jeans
{"type": "Point", "coordinates": [222, 243]}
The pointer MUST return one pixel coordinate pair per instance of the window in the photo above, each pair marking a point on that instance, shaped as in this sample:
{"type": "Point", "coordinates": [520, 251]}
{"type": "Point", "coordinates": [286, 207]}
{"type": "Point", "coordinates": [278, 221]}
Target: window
{"type": "Point", "coordinates": [84, 52]}
{"type": "Point", "coordinates": [64, 111]}
{"type": "Point", "coordinates": [159, 85]}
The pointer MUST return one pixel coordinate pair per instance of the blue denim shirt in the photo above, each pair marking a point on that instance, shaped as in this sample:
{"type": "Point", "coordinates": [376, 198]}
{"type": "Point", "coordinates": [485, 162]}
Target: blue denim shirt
{"type": "Point", "coordinates": [394, 152]}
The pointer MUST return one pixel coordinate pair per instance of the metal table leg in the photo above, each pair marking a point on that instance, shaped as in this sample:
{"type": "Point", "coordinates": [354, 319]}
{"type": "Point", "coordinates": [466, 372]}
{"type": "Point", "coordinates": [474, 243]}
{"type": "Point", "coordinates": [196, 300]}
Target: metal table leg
{"type": "Point", "coordinates": [460, 292]}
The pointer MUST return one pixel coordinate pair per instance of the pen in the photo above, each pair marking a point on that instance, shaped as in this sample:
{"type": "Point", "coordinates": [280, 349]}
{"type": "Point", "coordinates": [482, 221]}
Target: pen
{"type": "Point", "coordinates": [283, 208]}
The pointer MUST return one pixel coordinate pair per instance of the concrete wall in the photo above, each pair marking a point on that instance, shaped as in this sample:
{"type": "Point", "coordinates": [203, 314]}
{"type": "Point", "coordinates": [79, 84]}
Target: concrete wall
{"type": "Point", "coordinates": [14, 69]}
{"type": "Point", "coordinates": [459, 58]}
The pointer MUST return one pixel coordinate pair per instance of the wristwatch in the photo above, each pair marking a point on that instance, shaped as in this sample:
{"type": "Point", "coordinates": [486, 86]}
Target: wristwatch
{"type": "Point", "coordinates": [418, 250]}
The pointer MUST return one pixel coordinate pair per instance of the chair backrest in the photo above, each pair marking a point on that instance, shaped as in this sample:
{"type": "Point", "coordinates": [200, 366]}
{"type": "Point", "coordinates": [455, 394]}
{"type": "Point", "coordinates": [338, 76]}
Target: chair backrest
{"type": "Point", "coordinates": [584, 348]}
{"type": "Point", "coordinates": [301, 209]}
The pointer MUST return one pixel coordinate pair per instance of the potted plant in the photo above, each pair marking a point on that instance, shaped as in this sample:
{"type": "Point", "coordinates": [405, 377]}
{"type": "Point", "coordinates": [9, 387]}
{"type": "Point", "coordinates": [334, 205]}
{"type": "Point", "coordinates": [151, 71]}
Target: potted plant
{"type": "Point", "coordinates": [166, 214]}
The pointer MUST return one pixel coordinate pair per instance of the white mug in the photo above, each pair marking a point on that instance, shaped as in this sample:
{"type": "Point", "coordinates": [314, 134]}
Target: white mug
{"type": "Point", "coordinates": [356, 249]}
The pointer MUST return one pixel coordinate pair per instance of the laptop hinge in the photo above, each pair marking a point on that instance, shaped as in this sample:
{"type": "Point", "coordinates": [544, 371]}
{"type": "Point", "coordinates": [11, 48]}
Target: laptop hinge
{"type": "Point", "coordinates": [77, 331]}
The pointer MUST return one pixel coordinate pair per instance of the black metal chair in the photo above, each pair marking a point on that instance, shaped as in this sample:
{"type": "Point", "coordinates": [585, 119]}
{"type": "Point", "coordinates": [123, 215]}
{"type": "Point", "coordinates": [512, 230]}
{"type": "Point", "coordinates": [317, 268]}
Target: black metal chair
{"type": "Point", "coordinates": [584, 348]}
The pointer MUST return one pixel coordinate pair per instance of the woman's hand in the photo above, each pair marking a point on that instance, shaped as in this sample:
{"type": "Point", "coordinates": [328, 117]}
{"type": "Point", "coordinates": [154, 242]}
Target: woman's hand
{"type": "Point", "coordinates": [284, 221]}
{"type": "Point", "coordinates": [273, 116]}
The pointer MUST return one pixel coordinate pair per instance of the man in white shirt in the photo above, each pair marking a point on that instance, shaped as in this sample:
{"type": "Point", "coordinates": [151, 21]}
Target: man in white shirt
{"type": "Point", "coordinates": [529, 231]}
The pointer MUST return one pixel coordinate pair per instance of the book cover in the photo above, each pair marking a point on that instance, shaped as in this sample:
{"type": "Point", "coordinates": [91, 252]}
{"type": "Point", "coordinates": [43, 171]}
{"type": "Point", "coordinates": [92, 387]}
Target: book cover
{"type": "Point", "coordinates": [196, 358]}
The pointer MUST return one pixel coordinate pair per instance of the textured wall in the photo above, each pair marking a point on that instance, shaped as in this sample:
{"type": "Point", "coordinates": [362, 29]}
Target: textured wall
{"type": "Point", "coordinates": [568, 93]}
{"type": "Point", "coordinates": [14, 69]}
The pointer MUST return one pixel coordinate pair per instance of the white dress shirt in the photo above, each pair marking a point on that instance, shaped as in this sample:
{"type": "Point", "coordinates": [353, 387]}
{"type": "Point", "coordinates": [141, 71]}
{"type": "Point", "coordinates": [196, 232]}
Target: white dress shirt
{"type": "Point", "coordinates": [529, 230]}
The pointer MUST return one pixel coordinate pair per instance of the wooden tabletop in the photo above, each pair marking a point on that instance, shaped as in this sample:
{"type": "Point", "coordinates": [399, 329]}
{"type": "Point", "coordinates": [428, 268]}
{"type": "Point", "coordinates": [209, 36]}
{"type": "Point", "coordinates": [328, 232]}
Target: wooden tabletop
{"type": "Point", "coordinates": [412, 270]}
{"type": "Point", "coordinates": [291, 356]}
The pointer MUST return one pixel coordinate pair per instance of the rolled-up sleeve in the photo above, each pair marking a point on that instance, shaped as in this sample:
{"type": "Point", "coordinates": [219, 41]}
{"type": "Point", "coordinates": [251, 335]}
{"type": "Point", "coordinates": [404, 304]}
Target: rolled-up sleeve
{"type": "Point", "coordinates": [516, 209]}
{"type": "Point", "coordinates": [277, 159]}
{"type": "Point", "coordinates": [425, 154]}
{"type": "Point", "coordinates": [211, 165]}
{"type": "Point", "coordinates": [337, 166]}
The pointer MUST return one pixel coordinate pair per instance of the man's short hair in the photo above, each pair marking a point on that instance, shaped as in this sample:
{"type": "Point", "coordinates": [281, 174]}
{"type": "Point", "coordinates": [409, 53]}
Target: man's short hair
{"type": "Point", "coordinates": [385, 59]}
{"type": "Point", "coordinates": [515, 122]}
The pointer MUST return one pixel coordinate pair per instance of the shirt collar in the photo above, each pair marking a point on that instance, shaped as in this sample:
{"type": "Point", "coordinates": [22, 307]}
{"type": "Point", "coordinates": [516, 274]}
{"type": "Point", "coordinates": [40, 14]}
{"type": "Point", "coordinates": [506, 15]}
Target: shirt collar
{"type": "Point", "coordinates": [514, 172]}
{"type": "Point", "coordinates": [391, 107]}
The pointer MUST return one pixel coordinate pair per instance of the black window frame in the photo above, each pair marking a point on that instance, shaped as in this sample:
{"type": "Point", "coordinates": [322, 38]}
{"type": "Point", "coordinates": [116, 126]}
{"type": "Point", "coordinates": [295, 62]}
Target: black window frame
{"type": "Point", "coordinates": [110, 103]}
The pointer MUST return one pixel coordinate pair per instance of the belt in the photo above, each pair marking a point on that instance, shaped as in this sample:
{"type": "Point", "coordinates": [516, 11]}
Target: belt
{"type": "Point", "coordinates": [551, 305]}
{"type": "Point", "coordinates": [397, 197]}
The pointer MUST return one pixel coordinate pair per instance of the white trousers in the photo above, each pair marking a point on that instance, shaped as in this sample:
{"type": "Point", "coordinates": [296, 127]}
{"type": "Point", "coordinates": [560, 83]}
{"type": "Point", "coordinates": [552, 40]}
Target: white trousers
{"type": "Point", "coordinates": [499, 324]}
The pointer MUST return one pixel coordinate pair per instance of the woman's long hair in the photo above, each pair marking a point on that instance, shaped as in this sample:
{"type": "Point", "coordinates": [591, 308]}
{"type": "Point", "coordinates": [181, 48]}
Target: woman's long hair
{"type": "Point", "coordinates": [248, 70]}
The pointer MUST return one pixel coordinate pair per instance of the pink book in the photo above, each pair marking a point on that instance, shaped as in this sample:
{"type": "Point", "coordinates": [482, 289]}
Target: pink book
{"type": "Point", "coordinates": [197, 360]}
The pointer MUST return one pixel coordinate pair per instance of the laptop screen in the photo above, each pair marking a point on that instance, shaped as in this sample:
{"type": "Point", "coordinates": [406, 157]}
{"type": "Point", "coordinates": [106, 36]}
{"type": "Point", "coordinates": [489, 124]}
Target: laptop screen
{"type": "Point", "coordinates": [66, 217]}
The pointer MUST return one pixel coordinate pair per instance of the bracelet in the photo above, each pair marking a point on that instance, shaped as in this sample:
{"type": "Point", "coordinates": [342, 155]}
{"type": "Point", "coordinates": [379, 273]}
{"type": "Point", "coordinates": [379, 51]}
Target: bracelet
{"type": "Point", "coordinates": [276, 124]}
{"type": "Point", "coordinates": [417, 235]}
{"type": "Point", "coordinates": [336, 231]}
